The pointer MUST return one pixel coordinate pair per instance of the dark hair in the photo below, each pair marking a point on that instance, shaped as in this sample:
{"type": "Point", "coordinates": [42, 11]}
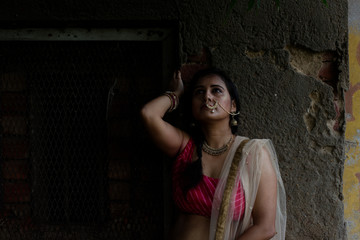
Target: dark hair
{"type": "Point", "coordinates": [193, 172]}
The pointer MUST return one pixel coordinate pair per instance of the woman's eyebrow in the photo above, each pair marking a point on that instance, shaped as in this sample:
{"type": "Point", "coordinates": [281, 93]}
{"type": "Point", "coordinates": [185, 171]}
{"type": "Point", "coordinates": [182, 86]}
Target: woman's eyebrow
{"type": "Point", "coordinates": [199, 86]}
{"type": "Point", "coordinates": [212, 86]}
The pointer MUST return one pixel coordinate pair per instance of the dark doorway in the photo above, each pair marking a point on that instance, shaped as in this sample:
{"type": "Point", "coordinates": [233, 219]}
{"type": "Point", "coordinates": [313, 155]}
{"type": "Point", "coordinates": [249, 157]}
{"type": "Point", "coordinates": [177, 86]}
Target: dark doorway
{"type": "Point", "coordinates": [89, 170]}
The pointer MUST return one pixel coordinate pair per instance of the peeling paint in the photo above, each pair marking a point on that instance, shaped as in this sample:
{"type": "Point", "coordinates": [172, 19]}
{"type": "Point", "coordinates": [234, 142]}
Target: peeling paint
{"type": "Point", "coordinates": [349, 101]}
{"type": "Point", "coordinates": [322, 66]}
{"type": "Point", "coordinates": [352, 136]}
{"type": "Point", "coordinates": [305, 61]}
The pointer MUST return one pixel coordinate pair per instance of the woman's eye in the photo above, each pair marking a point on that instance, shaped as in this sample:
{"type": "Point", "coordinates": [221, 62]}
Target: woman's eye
{"type": "Point", "coordinates": [199, 91]}
{"type": "Point", "coordinates": [217, 90]}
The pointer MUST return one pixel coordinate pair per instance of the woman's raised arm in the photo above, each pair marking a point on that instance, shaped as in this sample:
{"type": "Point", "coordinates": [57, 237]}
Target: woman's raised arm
{"type": "Point", "coordinates": [168, 138]}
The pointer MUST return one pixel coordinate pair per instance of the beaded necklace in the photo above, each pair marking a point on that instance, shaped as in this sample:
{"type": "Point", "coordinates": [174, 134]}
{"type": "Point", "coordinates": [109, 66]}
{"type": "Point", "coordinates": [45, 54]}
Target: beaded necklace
{"type": "Point", "coordinates": [216, 151]}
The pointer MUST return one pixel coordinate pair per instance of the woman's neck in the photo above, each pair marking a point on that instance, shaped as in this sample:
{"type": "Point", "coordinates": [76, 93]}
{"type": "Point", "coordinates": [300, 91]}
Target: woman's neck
{"type": "Point", "coordinates": [217, 137]}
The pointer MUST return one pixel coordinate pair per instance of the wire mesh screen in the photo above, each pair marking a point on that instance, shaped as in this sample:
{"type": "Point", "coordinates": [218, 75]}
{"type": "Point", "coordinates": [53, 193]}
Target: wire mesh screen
{"type": "Point", "coordinates": [75, 163]}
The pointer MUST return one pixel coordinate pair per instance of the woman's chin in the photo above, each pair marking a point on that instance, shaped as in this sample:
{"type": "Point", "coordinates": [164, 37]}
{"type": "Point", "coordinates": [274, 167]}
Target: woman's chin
{"type": "Point", "coordinates": [207, 116]}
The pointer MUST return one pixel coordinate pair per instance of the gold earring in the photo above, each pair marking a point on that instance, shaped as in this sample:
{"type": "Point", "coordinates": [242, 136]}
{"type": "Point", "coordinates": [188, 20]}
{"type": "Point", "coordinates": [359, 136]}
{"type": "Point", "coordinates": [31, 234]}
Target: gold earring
{"type": "Point", "coordinates": [233, 121]}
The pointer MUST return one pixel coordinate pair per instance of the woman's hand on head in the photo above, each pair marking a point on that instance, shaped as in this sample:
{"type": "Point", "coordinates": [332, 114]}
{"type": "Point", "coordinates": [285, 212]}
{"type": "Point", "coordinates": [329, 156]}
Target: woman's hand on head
{"type": "Point", "coordinates": [169, 138]}
{"type": "Point", "coordinates": [177, 84]}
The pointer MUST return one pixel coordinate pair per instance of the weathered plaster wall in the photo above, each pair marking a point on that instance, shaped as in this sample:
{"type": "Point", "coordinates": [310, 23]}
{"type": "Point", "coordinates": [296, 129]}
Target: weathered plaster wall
{"type": "Point", "coordinates": [352, 134]}
{"type": "Point", "coordinates": [263, 50]}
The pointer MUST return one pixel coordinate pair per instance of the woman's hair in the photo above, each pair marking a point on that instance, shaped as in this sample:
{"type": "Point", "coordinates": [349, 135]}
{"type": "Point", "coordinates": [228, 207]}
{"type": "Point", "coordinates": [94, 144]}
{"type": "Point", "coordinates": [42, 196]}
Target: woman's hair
{"type": "Point", "coordinates": [193, 172]}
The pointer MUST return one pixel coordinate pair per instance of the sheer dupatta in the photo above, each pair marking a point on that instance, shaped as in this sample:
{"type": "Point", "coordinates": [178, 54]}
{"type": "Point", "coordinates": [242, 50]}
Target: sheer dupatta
{"type": "Point", "coordinates": [248, 175]}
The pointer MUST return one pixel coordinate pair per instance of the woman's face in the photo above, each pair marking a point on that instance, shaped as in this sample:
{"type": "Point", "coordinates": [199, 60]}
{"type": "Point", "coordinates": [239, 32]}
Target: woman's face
{"type": "Point", "coordinates": [209, 90]}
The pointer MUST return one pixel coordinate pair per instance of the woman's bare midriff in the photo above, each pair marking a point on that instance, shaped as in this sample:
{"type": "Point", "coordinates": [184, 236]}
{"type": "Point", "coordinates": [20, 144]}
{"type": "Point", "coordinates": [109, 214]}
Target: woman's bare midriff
{"type": "Point", "coordinates": [191, 227]}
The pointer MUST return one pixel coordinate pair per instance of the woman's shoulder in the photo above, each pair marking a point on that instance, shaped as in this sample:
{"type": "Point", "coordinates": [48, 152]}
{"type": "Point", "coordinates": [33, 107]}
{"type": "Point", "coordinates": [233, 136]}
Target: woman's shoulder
{"type": "Point", "coordinates": [187, 147]}
{"type": "Point", "coordinates": [252, 141]}
{"type": "Point", "coordinates": [256, 146]}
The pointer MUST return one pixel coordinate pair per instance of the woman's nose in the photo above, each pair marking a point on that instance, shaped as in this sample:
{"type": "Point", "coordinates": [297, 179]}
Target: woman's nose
{"type": "Point", "coordinates": [208, 98]}
{"type": "Point", "coordinates": [209, 95]}
{"type": "Point", "coordinates": [211, 101]}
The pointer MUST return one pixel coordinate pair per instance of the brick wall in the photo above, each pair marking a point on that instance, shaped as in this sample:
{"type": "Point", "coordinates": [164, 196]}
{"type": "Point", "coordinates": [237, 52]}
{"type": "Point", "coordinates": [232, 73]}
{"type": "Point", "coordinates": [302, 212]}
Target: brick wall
{"type": "Point", "coordinates": [195, 63]}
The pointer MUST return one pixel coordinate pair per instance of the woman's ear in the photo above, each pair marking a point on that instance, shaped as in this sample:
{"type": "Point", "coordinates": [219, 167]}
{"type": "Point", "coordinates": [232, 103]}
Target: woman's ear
{"type": "Point", "coordinates": [233, 106]}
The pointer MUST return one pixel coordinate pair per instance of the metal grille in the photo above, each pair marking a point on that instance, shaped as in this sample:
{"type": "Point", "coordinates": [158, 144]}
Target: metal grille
{"type": "Point", "coordinates": [74, 161]}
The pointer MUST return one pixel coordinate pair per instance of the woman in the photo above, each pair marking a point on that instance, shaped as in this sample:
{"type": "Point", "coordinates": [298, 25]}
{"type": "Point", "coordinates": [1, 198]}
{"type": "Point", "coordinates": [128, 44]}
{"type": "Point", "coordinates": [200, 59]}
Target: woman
{"type": "Point", "coordinates": [204, 155]}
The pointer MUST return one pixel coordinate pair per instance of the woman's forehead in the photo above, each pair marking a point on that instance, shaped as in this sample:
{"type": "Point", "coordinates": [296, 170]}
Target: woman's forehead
{"type": "Point", "coordinates": [211, 80]}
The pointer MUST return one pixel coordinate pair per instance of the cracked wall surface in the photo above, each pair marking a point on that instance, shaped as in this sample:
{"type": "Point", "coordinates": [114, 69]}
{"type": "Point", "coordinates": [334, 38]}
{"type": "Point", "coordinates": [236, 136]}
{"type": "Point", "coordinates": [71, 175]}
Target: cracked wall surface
{"type": "Point", "coordinates": [274, 54]}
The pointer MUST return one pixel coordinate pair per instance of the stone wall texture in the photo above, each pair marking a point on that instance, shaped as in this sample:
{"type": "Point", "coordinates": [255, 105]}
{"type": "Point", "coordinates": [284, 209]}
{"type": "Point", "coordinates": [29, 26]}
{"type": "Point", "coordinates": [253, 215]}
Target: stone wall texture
{"type": "Point", "coordinates": [274, 54]}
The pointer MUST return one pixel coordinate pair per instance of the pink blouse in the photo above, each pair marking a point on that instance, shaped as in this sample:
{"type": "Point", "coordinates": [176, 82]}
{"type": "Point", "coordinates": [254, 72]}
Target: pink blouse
{"type": "Point", "coordinates": [198, 200]}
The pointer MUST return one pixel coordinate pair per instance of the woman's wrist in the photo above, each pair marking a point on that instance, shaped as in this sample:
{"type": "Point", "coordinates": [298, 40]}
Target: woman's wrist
{"type": "Point", "coordinates": [174, 100]}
